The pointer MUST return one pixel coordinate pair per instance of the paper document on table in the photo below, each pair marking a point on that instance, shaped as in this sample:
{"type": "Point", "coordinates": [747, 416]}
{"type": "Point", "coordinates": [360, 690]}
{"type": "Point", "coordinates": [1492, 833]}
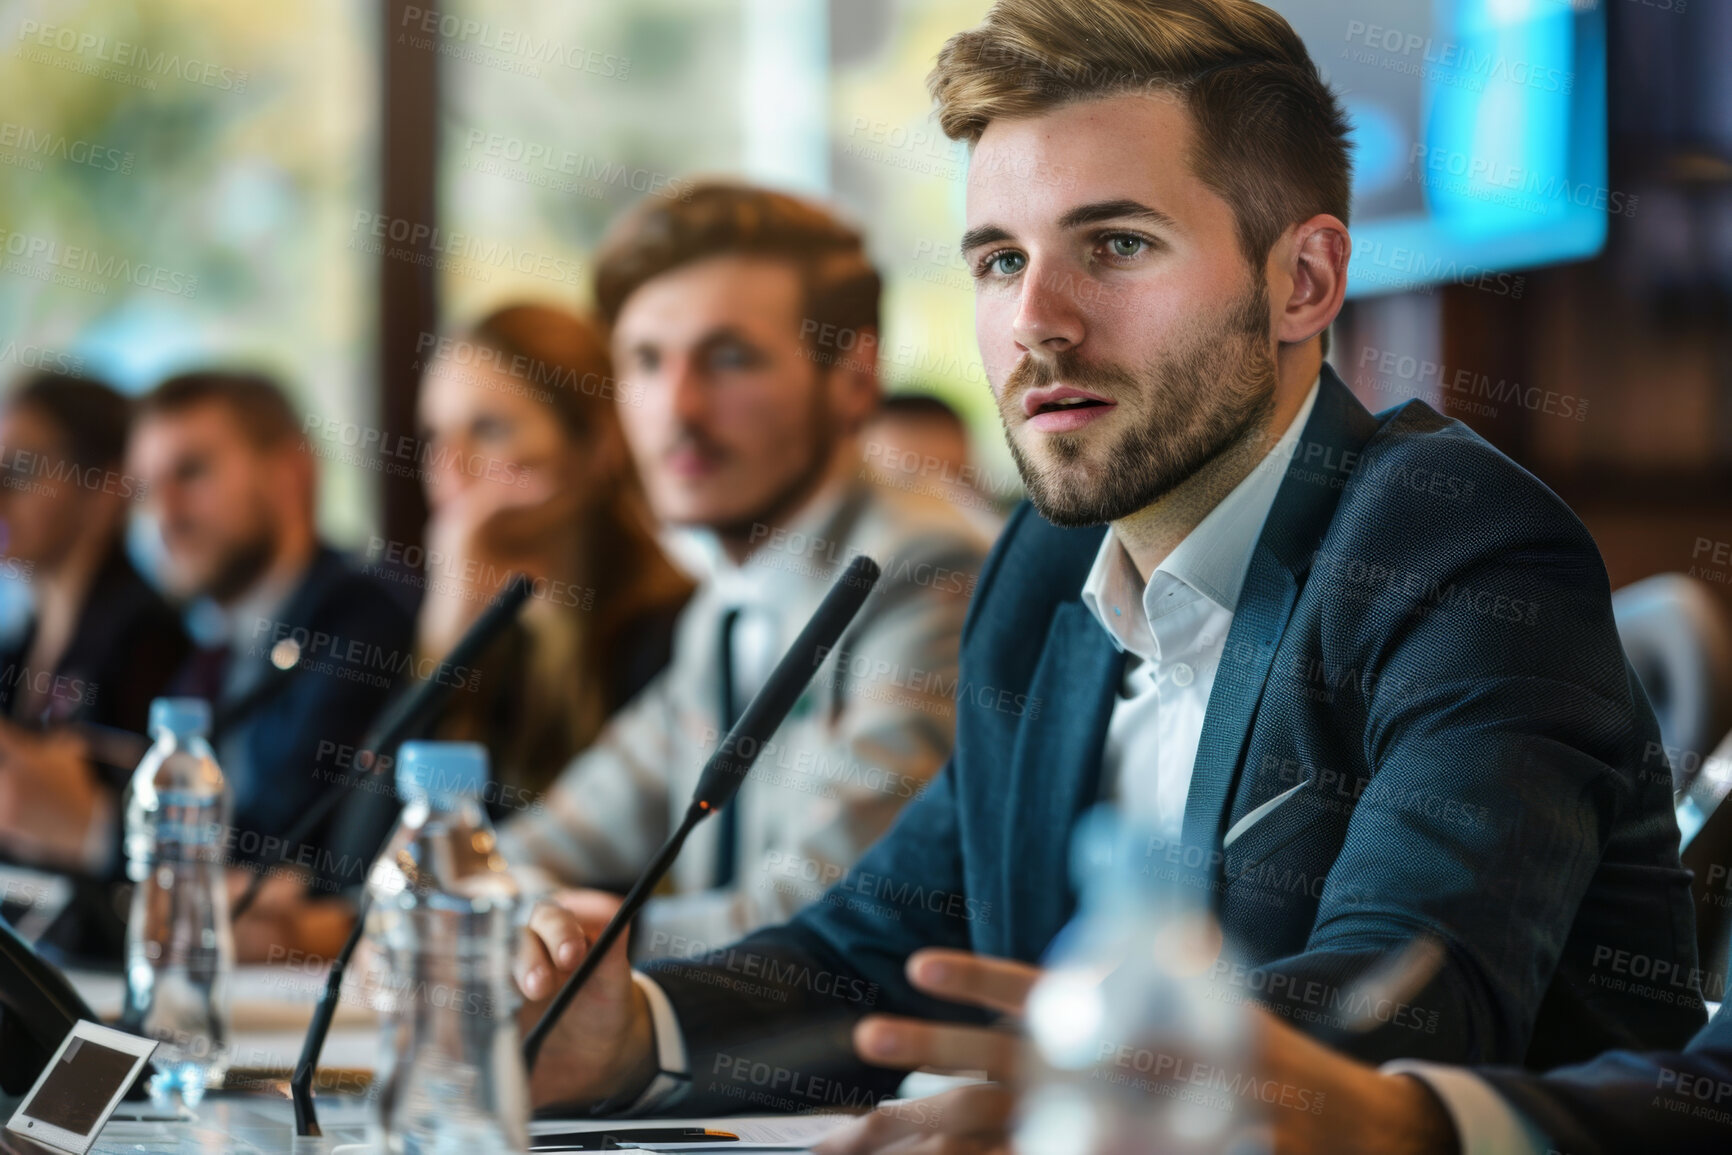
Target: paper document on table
{"type": "Point", "coordinates": [751, 1132]}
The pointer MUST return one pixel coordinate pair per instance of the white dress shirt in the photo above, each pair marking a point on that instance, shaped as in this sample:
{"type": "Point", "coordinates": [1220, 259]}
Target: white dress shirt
{"type": "Point", "coordinates": [1172, 629]}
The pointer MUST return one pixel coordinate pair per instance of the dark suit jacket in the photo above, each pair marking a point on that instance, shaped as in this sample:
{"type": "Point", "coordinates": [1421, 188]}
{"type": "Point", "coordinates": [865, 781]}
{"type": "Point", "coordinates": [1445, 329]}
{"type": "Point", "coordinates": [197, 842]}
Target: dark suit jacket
{"type": "Point", "coordinates": [127, 644]}
{"type": "Point", "coordinates": [282, 742]}
{"type": "Point", "coordinates": [124, 650]}
{"type": "Point", "coordinates": [1629, 1104]}
{"type": "Point", "coordinates": [1422, 724]}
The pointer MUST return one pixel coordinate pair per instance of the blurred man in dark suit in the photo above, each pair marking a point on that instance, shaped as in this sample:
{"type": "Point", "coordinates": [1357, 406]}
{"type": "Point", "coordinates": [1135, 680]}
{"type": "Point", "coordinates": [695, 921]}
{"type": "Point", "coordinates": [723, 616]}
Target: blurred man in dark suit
{"type": "Point", "coordinates": [307, 648]}
{"type": "Point", "coordinates": [100, 642]}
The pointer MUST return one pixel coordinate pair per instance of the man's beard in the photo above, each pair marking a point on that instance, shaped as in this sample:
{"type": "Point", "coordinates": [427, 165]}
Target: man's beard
{"type": "Point", "coordinates": [822, 430]}
{"type": "Point", "coordinates": [240, 567]}
{"type": "Point", "coordinates": [1185, 408]}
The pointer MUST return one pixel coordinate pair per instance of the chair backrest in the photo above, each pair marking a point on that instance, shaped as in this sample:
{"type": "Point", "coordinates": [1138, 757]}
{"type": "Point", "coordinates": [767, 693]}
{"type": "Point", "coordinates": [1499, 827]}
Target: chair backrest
{"type": "Point", "coordinates": [1679, 641]}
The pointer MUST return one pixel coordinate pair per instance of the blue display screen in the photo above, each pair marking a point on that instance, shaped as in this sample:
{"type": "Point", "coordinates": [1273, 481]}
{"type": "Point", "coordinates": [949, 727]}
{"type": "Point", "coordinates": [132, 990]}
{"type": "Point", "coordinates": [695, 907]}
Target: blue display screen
{"type": "Point", "coordinates": [1479, 131]}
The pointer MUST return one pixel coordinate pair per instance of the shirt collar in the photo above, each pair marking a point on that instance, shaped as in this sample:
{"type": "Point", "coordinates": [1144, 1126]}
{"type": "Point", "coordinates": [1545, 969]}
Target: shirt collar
{"type": "Point", "coordinates": [255, 614]}
{"type": "Point", "coordinates": [1211, 560]}
{"type": "Point", "coordinates": [744, 584]}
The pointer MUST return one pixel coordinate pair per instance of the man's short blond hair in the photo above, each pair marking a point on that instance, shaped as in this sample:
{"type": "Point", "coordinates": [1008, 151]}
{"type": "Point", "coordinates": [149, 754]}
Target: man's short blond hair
{"type": "Point", "coordinates": [1271, 138]}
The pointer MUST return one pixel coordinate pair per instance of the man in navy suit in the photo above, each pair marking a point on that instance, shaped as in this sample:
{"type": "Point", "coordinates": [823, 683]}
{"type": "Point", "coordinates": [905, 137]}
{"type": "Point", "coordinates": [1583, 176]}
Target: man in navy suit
{"type": "Point", "coordinates": [305, 648]}
{"type": "Point", "coordinates": [1358, 672]}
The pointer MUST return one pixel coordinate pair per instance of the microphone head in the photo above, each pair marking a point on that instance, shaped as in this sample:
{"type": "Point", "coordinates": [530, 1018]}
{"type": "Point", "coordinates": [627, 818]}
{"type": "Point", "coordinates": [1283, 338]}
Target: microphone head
{"type": "Point", "coordinates": [862, 572]}
{"type": "Point", "coordinates": [441, 773]}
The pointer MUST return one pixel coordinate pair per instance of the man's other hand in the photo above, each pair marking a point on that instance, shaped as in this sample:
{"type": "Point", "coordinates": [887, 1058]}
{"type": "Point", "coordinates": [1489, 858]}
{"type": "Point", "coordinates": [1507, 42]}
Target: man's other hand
{"type": "Point", "coordinates": [971, 1120]}
{"type": "Point", "coordinates": [604, 1045]}
{"type": "Point", "coordinates": [48, 795]}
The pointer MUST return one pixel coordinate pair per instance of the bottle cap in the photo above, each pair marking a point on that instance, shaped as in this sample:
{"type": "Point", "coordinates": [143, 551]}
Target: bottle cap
{"type": "Point", "coordinates": [182, 717]}
{"type": "Point", "coordinates": [442, 773]}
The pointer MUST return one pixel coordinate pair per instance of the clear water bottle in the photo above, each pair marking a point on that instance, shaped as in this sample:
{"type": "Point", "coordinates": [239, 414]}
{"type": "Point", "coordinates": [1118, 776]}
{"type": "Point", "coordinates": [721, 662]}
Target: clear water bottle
{"type": "Point", "coordinates": [444, 918]}
{"type": "Point", "coordinates": [1132, 1048]}
{"type": "Point", "coordinates": [179, 947]}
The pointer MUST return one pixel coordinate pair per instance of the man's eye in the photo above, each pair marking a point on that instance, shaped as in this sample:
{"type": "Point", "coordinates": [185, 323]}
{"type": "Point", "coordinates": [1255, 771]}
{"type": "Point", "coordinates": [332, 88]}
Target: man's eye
{"type": "Point", "coordinates": [1007, 263]}
{"type": "Point", "coordinates": [1124, 246]}
{"type": "Point", "coordinates": [732, 357]}
{"type": "Point", "coordinates": [490, 428]}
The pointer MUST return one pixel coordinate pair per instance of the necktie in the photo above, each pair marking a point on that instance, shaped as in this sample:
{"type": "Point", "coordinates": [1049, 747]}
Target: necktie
{"type": "Point", "coordinates": [728, 838]}
{"type": "Point", "coordinates": [204, 673]}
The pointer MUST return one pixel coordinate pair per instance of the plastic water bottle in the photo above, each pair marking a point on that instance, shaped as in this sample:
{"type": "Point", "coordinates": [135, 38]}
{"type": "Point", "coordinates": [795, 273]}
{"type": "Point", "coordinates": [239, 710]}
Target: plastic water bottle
{"type": "Point", "coordinates": [444, 917]}
{"type": "Point", "coordinates": [179, 947]}
{"type": "Point", "coordinates": [1131, 1048]}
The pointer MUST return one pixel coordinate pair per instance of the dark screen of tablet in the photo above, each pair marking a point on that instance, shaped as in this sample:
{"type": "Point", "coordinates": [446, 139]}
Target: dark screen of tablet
{"type": "Point", "coordinates": [80, 1086]}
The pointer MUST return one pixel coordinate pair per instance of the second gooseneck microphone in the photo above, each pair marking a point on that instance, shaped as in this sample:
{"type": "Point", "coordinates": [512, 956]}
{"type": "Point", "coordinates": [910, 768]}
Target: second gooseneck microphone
{"type": "Point", "coordinates": [727, 767]}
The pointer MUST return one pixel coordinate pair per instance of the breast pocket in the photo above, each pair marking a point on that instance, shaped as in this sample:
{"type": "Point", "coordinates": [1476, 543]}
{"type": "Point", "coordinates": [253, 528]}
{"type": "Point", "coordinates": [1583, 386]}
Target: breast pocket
{"type": "Point", "coordinates": [1305, 821]}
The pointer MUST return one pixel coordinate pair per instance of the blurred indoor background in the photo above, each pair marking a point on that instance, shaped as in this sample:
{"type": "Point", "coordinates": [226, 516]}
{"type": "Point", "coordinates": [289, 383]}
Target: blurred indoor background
{"type": "Point", "coordinates": [1543, 222]}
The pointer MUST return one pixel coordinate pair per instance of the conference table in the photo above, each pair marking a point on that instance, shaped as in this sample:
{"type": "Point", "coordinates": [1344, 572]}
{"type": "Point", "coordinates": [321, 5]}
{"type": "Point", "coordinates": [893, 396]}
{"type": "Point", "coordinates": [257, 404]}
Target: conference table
{"type": "Point", "coordinates": [253, 1115]}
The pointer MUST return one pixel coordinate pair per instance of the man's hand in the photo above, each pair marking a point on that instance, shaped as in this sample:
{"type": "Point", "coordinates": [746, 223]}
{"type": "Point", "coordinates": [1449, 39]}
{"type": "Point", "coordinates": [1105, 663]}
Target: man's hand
{"type": "Point", "coordinates": [972, 1120]}
{"type": "Point", "coordinates": [959, 977]}
{"type": "Point", "coordinates": [967, 1120]}
{"type": "Point", "coordinates": [1364, 1111]}
{"type": "Point", "coordinates": [604, 1045]}
{"type": "Point", "coordinates": [48, 794]}
{"type": "Point", "coordinates": [287, 920]}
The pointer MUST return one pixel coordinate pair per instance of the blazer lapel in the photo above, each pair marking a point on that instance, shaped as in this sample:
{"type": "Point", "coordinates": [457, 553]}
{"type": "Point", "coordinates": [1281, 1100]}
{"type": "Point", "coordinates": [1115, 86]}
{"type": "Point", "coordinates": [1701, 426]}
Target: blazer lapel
{"type": "Point", "coordinates": [1055, 774]}
{"type": "Point", "coordinates": [1323, 462]}
{"type": "Point", "coordinates": [1265, 604]}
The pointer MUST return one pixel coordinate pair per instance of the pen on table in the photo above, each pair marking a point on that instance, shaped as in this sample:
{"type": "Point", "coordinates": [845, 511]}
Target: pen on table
{"type": "Point", "coordinates": [627, 1137]}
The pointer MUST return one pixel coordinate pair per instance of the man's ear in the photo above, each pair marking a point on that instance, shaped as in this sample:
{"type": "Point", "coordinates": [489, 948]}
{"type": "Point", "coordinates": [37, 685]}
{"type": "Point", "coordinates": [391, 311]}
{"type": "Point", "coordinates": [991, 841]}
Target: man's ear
{"type": "Point", "coordinates": [855, 391]}
{"type": "Point", "coordinates": [300, 476]}
{"type": "Point", "coordinates": [1309, 277]}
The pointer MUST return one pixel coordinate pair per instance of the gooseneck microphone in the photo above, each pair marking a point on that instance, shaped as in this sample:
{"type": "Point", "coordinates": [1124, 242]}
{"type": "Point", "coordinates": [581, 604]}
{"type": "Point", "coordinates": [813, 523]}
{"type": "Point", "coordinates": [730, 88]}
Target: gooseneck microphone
{"type": "Point", "coordinates": [726, 769]}
{"type": "Point", "coordinates": [403, 718]}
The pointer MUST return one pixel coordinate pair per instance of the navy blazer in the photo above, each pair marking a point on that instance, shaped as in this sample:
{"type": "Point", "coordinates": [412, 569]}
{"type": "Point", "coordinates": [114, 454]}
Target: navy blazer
{"type": "Point", "coordinates": [1422, 726]}
{"type": "Point", "coordinates": [125, 648]}
{"type": "Point", "coordinates": [1628, 1104]}
{"type": "Point", "coordinates": [287, 740]}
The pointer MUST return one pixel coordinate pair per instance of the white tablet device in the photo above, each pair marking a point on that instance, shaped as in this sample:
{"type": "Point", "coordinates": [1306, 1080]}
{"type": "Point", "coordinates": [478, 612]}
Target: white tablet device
{"type": "Point", "coordinates": [80, 1087]}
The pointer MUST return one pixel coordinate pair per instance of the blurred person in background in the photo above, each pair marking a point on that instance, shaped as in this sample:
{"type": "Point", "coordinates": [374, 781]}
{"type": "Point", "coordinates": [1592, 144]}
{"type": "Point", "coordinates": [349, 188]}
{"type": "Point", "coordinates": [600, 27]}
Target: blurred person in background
{"type": "Point", "coordinates": [100, 643]}
{"type": "Point", "coordinates": [745, 427]}
{"type": "Point", "coordinates": [917, 441]}
{"type": "Point", "coordinates": [303, 649]}
{"type": "Point", "coordinates": [531, 388]}
{"type": "Point", "coordinates": [527, 472]}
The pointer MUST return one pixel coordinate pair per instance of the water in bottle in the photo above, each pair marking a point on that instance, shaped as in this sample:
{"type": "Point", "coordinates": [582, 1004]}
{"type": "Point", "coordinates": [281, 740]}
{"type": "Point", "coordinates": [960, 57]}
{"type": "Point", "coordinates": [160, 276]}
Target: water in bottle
{"type": "Point", "coordinates": [444, 917]}
{"type": "Point", "coordinates": [179, 948]}
{"type": "Point", "coordinates": [1131, 1049]}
